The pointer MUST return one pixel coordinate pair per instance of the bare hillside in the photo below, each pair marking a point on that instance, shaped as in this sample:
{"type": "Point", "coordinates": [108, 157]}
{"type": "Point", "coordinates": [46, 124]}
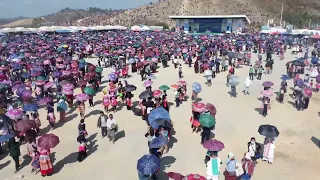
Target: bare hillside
{"type": "Point", "coordinates": [257, 10]}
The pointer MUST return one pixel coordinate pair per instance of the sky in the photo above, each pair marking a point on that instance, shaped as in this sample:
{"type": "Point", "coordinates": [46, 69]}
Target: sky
{"type": "Point", "coordinates": [35, 8]}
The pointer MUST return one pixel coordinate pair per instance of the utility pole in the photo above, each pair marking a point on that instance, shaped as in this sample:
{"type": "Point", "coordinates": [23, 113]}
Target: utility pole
{"type": "Point", "coordinates": [281, 15]}
{"type": "Point", "coordinates": [309, 23]}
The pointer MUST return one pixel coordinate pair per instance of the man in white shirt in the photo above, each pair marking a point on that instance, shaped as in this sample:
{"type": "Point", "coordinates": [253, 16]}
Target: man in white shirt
{"type": "Point", "coordinates": [112, 128]}
{"type": "Point", "coordinates": [103, 123]}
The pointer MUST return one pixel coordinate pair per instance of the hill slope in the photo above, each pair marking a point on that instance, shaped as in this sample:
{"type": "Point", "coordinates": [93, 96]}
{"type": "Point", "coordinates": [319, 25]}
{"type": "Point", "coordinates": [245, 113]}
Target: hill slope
{"type": "Point", "coordinates": [258, 11]}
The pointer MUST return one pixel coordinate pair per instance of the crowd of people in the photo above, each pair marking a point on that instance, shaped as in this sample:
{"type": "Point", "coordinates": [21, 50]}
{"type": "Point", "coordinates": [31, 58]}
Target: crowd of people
{"type": "Point", "coordinates": [45, 70]}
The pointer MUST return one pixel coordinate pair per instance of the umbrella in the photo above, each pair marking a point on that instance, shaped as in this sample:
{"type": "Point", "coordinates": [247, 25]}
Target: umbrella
{"type": "Point", "coordinates": [182, 82]}
{"type": "Point", "coordinates": [148, 164]}
{"type": "Point", "coordinates": [48, 85]}
{"type": "Point", "coordinates": [300, 83]}
{"type": "Point", "coordinates": [89, 91]}
{"type": "Point", "coordinates": [82, 61]}
{"type": "Point", "coordinates": [234, 80]}
{"type": "Point", "coordinates": [208, 72]}
{"type": "Point", "coordinates": [268, 131]}
{"type": "Point", "coordinates": [158, 116]}
{"type": "Point", "coordinates": [164, 87]}
{"type": "Point", "coordinates": [14, 113]}
{"type": "Point", "coordinates": [318, 79]}
{"type": "Point", "coordinates": [44, 100]}
{"type": "Point", "coordinates": [130, 88]}
{"type": "Point", "coordinates": [194, 177]}
{"type": "Point", "coordinates": [175, 176]}
{"type": "Point", "coordinates": [82, 82]}
{"type": "Point", "coordinates": [196, 87]}
{"type": "Point", "coordinates": [98, 69]}
{"type": "Point", "coordinates": [307, 92]}
{"type": "Point", "coordinates": [199, 107]}
{"type": "Point", "coordinates": [131, 61]}
{"type": "Point", "coordinates": [68, 86]}
{"type": "Point", "coordinates": [157, 93]}
{"type": "Point", "coordinates": [5, 138]}
{"type": "Point", "coordinates": [5, 119]}
{"type": "Point", "coordinates": [213, 145]}
{"type": "Point", "coordinates": [41, 78]}
{"type": "Point", "coordinates": [266, 93]}
{"type": "Point", "coordinates": [25, 125]}
{"type": "Point", "coordinates": [211, 108]}
{"type": "Point", "coordinates": [40, 82]}
{"type": "Point", "coordinates": [240, 56]}
{"type": "Point", "coordinates": [67, 91]}
{"type": "Point", "coordinates": [48, 141]}
{"type": "Point", "coordinates": [148, 83]}
{"type": "Point", "coordinates": [267, 84]}
{"type": "Point", "coordinates": [113, 76]}
{"type": "Point", "coordinates": [27, 94]}
{"type": "Point", "coordinates": [25, 75]}
{"type": "Point", "coordinates": [82, 97]}
{"type": "Point", "coordinates": [231, 55]}
{"type": "Point", "coordinates": [63, 82]}
{"type": "Point", "coordinates": [145, 95]}
{"type": "Point", "coordinates": [57, 73]}
{"type": "Point", "coordinates": [30, 107]}
{"type": "Point", "coordinates": [175, 86]}
{"type": "Point", "coordinates": [207, 120]}
{"type": "Point", "coordinates": [158, 142]}
{"type": "Point", "coordinates": [4, 86]}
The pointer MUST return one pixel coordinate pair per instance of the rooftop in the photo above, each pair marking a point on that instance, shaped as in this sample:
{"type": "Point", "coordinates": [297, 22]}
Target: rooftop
{"type": "Point", "coordinates": [212, 17]}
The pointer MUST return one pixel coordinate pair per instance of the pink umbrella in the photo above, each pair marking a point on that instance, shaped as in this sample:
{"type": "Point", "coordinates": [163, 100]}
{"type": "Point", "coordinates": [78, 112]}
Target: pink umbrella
{"type": "Point", "coordinates": [66, 72]}
{"type": "Point", "coordinates": [148, 83]}
{"type": "Point", "coordinates": [40, 82]}
{"type": "Point", "coordinates": [154, 60]}
{"type": "Point", "coordinates": [213, 145]}
{"type": "Point", "coordinates": [266, 93]}
{"type": "Point", "coordinates": [211, 108]}
{"type": "Point", "coordinates": [194, 177]}
{"type": "Point", "coordinates": [14, 113]}
{"type": "Point", "coordinates": [307, 92]}
{"type": "Point", "coordinates": [82, 97]}
{"type": "Point", "coordinates": [59, 59]}
{"type": "Point", "coordinates": [46, 62]}
{"type": "Point", "coordinates": [184, 50]}
{"type": "Point", "coordinates": [68, 86]}
{"type": "Point", "coordinates": [182, 82]}
{"type": "Point", "coordinates": [48, 85]}
{"type": "Point", "coordinates": [26, 95]}
{"type": "Point", "coordinates": [157, 93]}
{"type": "Point", "coordinates": [175, 176]}
{"type": "Point", "coordinates": [60, 66]}
{"type": "Point", "coordinates": [67, 91]}
{"type": "Point", "coordinates": [199, 107]}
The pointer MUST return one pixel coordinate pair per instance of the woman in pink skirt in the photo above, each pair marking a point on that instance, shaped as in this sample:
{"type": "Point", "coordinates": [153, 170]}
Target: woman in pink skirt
{"type": "Point", "coordinates": [114, 103]}
{"type": "Point", "coordinates": [106, 102]}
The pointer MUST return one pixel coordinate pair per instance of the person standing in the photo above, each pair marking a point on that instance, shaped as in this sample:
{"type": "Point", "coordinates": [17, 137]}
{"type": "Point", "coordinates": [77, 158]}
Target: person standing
{"type": "Point", "coordinates": [248, 167]}
{"type": "Point", "coordinates": [205, 135]}
{"type": "Point", "coordinates": [102, 123]}
{"type": "Point", "coordinates": [180, 71]}
{"type": "Point", "coordinates": [231, 166]}
{"type": "Point", "coordinates": [112, 128]}
{"type": "Point", "coordinates": [14, 149]}
{"type": "Point", "coordinates": [260, 71]}
{"type": "Point", "coordinates": [213, 166]}
{"type": "Point", "coordinates": [46, 167]}
{"type": "Point", "coordinates": [251, 72]}
{"type": "Point", "coordinates": [247, 84]}
{"type": "Point", "coordinates": [265, 102]}
{"type": "Point", "coordinates": [254, 149]}
{"type": "Point", "coordinates": [268, 152]}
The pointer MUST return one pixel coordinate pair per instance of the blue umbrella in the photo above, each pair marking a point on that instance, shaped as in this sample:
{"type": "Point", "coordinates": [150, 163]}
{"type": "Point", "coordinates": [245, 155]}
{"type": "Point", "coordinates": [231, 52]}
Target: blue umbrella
{"type": "Point", "coordinates": [131, 61]}
{"type": "Point", "coordinates": [57, 73]}
{"type": "Point", "coordinates": [5, 138]}
{"type": "Point", "coordinates": [20, 90]}
{"type": "Point", "coordinates": [315, 60]}
{"type": "Point", "coordinates": [148, 164]}
{"type": "Point", "coordinates": [25, 75]}
{"type": "Point", "coordinates": [81, 65]}
{"type": "Point", "coordinates": [158, 142]}
{"type": "Point", "coordinates": [196, 87]}
{"type": "Point", "coordinates": [62, 106]}
{"type": "Point", "coordinates": [112, 76]}
{"type": "Point", "coordinates": [300, 83]}
{"type": "Point", "coordinates": [30, 107]}
{"type": "Point", "coordinates": [158, 116]}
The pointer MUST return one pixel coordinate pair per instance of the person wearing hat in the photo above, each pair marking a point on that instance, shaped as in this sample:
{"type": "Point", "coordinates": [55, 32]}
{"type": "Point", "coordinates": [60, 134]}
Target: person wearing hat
{"type": "Point", "coordinates": [231, 166]}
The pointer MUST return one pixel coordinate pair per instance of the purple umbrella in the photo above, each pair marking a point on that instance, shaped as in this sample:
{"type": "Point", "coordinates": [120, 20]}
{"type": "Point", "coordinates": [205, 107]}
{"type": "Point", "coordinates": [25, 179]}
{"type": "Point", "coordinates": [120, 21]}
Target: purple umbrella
{"type": "Point", "coordinates": [213, 145]}
{"type": "Point", "coordinates": [318, 79]}
{"type": "Point", "coordinates": [14, 113]}
{"type": "Point", "coordinates": [267, 84]}
{"type": "Point", "coordinates": [300, 83]}
{"type": "Point", "coordinates": [26, 95]}
{"type": "Point", "coordinates": [57, 73]}
{"type": "Point", "coordinates": [44, 100]}
{"type": "Point", "coordinates": [20, 90]}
